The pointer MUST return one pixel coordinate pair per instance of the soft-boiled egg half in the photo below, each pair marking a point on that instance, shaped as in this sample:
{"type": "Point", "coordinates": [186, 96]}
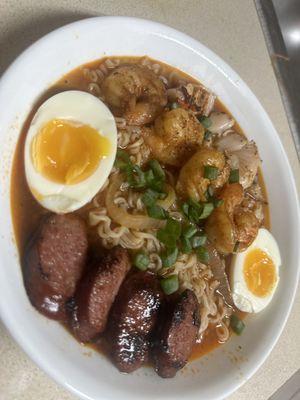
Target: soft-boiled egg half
{"type": "Point", "coordinates": [70, 150]}
{"type": "Point", "coordinates": [254, 273]}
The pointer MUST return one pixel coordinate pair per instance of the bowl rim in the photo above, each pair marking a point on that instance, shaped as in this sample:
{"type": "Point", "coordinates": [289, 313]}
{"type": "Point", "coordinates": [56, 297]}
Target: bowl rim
{"type": "Point", "coordinates": [185, 39]}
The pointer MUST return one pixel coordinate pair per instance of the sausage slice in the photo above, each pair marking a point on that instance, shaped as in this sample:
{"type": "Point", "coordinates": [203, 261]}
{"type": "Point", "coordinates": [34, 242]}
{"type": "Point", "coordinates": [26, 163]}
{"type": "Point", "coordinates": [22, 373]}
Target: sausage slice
{"type": "Point", "coordinates": [53, 263]}
{"type": "Point", "coordinates": [96, 293]}
{"type": "Point", "coordinates": [178, 335]}
{"type": "Point", "coordinates": [133, 317]}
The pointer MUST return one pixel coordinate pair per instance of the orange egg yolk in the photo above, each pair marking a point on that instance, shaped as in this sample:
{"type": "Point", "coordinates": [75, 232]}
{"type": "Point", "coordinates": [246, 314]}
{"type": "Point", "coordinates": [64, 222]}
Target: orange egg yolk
{"type": "Point", "coordinates": [259, 273]}
{"type": "Point", "coordinates": [68, 152]}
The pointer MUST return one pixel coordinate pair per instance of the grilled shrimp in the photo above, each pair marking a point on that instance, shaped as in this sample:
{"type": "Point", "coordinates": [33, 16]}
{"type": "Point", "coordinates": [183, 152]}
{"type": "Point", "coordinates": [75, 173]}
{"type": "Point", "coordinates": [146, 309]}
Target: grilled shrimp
{"type": "Point", "coordinates": [191, 181]}
{"type": "Point", "coordinates": [176, 136]}
{"type": "Point", "coordinates": [242, 154]}
{"type": "Point", "coordinates": [230, 226]}
{"type": "Point", "coordinates": [134, 92]}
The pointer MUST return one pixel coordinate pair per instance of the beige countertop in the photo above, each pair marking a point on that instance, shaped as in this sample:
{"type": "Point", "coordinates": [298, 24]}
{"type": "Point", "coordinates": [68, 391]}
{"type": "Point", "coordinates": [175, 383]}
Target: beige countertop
{"type": "Point", "coordinates": [231, 29]}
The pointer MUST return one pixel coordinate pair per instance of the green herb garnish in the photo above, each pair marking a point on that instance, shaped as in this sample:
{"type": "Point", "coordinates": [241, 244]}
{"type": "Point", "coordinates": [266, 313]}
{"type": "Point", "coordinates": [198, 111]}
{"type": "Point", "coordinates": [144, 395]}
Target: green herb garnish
{"type": "Point", "coordinates": [170, 284]}
{"type": "Point", "coordinates": [141, 261]}
{"type": "Point", "coordinates": [236, 324]}
{"type": "Point", "coordinates": [234, 176]}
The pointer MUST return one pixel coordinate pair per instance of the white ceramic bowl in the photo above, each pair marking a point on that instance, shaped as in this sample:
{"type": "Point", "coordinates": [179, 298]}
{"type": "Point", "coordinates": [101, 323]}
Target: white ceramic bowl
{"type": "Point", "coordinates": [47, 343]}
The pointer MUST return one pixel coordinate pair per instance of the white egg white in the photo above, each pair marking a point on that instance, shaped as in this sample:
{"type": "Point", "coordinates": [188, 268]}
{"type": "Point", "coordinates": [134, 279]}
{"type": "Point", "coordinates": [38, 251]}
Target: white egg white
{"type": "Point", "coordinates": [87, 109]}
{"type": "Point", "coordinates": [243, 298]}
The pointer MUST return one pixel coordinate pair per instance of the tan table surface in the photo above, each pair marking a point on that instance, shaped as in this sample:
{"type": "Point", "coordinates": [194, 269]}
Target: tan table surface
{"type": "Point", "coordinates": [231, 29]}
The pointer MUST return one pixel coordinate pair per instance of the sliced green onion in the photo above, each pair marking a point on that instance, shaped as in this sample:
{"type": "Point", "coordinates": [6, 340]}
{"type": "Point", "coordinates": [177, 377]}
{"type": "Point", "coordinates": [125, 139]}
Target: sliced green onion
{"type": "Point", "coordinates": [157, 169]}
{"type": "Point", "coordinates": [195, 210]}
{"type": "Point", "coordinates": [234, 176]}
{"type": "Point", "coordinates": [162, 195]}
{"type": "Point", "coordinates": [198, 241]}
{"type": "Point", "coordinates": [185, 209]}
{"type": "Point", "coordinates": [211, 172]}
{"type": "Point", "coordinates": [169, 257]}
{"type": "Point", "coordinates": [135, 176]}
{"type": "Point", "coordinates": [189, 231]}
{"type": "Point", "coordinates": [237, 325]}
{"type": "Point", "coordinates": [168, 240]}
{"type": "Point", "coordinates": [149, 177]}
{"type": "Point", "coordinates": [193, 215]}
{"type": "Point", "coordinates": [170, 284]}
{"type": "Point", "coordinates": [119, 163]}
{"type": "Point", "coordinates": [140, 179]}
{"type": "Point", "coordinates": [195, 204]}
{"type": "Point", "coordinates": [203, 255]}
{"type": "Point", "coordinates": [149, 197]}
{"type": "Point", "coordinates": [123, 155]}
{"type": "Point", "coordinates": [156, 184]}
{"type": "Point", "coordinates": [174, 105]}
{"type": "Point", "coordinates": [122, 159]}
{"type": "Point", "coordinates": [205, 121]}
{"type": "Point", "coordinates": [218, 202]}
{"type": "Point", "coordinates": [207, 210]}
{"type": "Point", "coordinates": [141, 261]}
{"type": "Point", "coordinates": [170, 233]}
{"type": "Point", "coordinates": [173, 227]}
{"type": "Point", "coordinates": [207, 135]}
{"type": "Point", "coordinates": [186, 246]}
{"type": "Point", "coordinates": [153, 181]}
{"type": "Point", "coordinates": [157, 212]}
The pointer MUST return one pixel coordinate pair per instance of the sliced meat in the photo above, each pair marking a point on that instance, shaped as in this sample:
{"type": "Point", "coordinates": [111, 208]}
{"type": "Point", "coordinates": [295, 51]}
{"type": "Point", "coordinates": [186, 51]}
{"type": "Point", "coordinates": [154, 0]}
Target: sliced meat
{"type": "Point", "coordinates": [53, 263]}
{"type": "Point", "coordinates": [133, 317]}
{"type": "Point", "coordinates": [178, 335]}
{"type": "Point", "coordinates": [96, 293]}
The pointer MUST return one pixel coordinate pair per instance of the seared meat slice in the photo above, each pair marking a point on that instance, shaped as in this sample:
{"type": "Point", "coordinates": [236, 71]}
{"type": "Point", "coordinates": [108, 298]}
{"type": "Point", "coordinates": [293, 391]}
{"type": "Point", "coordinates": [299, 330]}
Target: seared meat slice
{"type": "Point", "coordinates": [53, 263]}
{"type": "Point", "coordinates": [133, 317]}
{"type": "Point", "coordinates": [178, 335]}
{"type": "Point", "coordinates": [96, 294]}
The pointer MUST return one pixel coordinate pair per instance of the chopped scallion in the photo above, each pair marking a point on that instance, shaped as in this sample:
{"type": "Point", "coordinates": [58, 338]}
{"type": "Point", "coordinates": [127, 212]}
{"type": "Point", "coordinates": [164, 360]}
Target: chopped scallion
{"type": "Point", "coordinates": [173, 227]}
{"type": "Point", "coordinates": [149, 177]}
{"type": "Point", "coordinates": [170, 284]}
{"type": "Point", "coordinates": [218, 202]}
{"type": "Point", "coordinates": [123, 155]}
{"type": "Point", "coordinates": [198, 241]}
{"type": "Point", "coordinates": [234, 176]}
{"type": "Point", "coordinates": [207, 210]}
{"type": "Point", "coordinates": [149, 197]}
{"type": "Point", "coordinates": [141, 261]}
{"type": "Point", "coordinates": [157, 212]}
{"type": "Point", "coordinates": [168, 240]}
{"type": "Point", "coordinates": [189, 231]}
{"type": "Point", "coordinates": [185, 209]}
{"type": "Point", "coordinates": [156, 184]}
{"type": "Point", "coordinates": [205, 121]}
{"type": "Point", "coordinates": [169, 257]}
{"type": "Point", "coordinates": [236, 324]}
{"type": "Point", "coordinates": [157, 170]}
{"type": "Point", "coordinates": [122, 160]}
{"type": "Point", "coordinates": [203, 255]}
{"type": "Point", "coordinates": [211, 172]}
{"type": "Point", "coordinates": [186, 246]}
{"type": "Point", "coordinates": [174, 105]}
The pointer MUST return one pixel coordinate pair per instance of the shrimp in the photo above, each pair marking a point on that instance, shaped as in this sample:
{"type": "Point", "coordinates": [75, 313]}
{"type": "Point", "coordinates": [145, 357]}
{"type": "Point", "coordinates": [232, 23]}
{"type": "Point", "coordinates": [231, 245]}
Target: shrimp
{"type": "Point", "coordinates": [135, 93]}
{"type": "Point", "coordinates": [176, 136]}
{"type": "Point", "coordinates": [230, 224]}
{"type": "Point", "coordinates": [191, 181]}
{"type": "Point", "coordinates": [242, 154]}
